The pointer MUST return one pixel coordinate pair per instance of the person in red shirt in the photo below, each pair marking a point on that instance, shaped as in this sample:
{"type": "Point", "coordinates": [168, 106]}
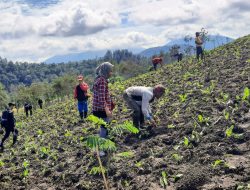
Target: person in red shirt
{"type": "Point", "coordinates": [81, 95]}
{"type": "Point", "coordinates": [156, 61]}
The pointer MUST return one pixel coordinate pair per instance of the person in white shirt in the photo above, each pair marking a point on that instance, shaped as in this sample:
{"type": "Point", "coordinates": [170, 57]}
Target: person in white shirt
{"type": "Point", "coordinates": [138, 99]}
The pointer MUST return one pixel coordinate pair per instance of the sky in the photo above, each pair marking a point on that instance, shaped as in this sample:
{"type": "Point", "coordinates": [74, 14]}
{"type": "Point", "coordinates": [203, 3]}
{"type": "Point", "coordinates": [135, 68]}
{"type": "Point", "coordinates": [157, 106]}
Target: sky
{"type": "Point", "coordinates": [34, 30]}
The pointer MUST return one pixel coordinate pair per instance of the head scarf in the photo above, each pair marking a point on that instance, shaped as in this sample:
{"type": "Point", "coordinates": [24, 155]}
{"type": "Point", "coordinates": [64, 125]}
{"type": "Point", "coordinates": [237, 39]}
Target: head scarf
{"type": "Point", "coordinates": [104, 69]}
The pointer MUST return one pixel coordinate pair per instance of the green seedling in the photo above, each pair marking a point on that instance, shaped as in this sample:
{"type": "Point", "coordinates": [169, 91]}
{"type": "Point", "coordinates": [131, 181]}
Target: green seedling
{"type": "Point", "coordinates": [229, 131]}
{"type": "Point", "coordinates": [1, 163]}
{"type": "Point", "coordinates": [226, 114]}
{"type": "Point", "coordinates": [97, 170]}
{"type": "Point", "coordinates": [164, 179]}
{"type": "Point", "coordinates": [126, 154]}
{"type": "Point", "coordinates": [186, 141]}
{"type": "Point", "coordinates": [183, 97]}
{"type": "Point", "coordinates": [177, 157]}
{"type": "Point", "coordinates": [171, 126]}
{"type": "Point", "coordinates": [246, 94]}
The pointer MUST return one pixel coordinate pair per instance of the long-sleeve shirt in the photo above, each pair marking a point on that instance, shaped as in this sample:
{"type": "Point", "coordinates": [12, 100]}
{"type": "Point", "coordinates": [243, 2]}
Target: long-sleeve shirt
{"type": "Point", "coordinates": [146, 94]}
{"type": "Point", "coordinates": [101, 95]}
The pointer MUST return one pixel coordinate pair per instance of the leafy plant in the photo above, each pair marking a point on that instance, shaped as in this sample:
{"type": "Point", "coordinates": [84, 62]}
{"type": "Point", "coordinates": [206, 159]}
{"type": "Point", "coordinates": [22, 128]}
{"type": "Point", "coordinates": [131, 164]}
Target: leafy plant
{"type": "Point", "coordinates": [219, 162]}
{"type": "Point", "coordinates": [1, 163]}
{"type": "Point", "coordinates": [129, 154]}
{"type": "Point", "coordinates": [25, 170]}
{"type": "Point", "coordinates": [226, 114]}
{"type": "Point", "coordinates": [177, 157]}
{"type": "Point", "coordinates": [125, 126]}
{"type": "Point", "coordinates": [171, 126]}
{"type": "Point", "coordinates": [229, 131]}
{"type": "Point", "coordinates": [97, 170]}
{"type": "Point", "coordinates": [164, 179]}
{"type": "Point", "coordinates": [183, 97]}
{"type": "Point", "coordinates": [186, 141]}
{"type": "Point", "coordinates": [246, 94]}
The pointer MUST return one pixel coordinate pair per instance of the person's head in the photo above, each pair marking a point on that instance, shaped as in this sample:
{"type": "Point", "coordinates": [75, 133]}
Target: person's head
{"type": "Point", "coordinates": [197, 34]}
{"type": "Point", "coordinates": [105, 70]}
{"type": "Point", "coordinates": [159, 91]}
{"type": "Point", "coordinates": [11, 105]}
{"type": "Point", "coordinates": [80, 78]}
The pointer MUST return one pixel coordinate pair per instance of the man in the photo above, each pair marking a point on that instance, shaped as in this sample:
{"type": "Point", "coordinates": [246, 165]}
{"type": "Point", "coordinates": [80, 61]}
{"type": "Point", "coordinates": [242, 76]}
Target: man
{"type": "Point", "coordinates": [156, 61]}
{"type": "Point", "coordinates": [40, 103]}
{"type": "Point", "coordinates": [28, 108]}
{"type": "Point", "coordinates": [138, 99]}
{"type": "Point", "coordinates": [8, 123]}
{"type": "Point", "coordinates": [199, 50]}
{"type": "Point", "coordinates": [81, 95]}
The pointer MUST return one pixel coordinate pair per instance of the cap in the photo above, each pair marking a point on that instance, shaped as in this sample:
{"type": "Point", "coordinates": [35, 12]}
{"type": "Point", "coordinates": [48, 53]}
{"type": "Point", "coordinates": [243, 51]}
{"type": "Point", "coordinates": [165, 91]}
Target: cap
{"type": "Point", "coordinates": [80, 77]}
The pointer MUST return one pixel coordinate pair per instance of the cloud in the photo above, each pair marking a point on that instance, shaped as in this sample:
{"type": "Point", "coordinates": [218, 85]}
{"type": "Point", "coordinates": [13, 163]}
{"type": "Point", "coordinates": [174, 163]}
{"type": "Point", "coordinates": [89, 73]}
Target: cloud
{"type": "Point", "coordinates": [33, 31]}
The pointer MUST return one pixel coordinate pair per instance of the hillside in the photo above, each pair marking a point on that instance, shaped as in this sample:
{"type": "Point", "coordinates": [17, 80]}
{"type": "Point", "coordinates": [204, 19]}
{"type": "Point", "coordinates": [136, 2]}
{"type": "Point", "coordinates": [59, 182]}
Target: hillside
{"type": "Point", "coordinates": [213, 42]}
{"type": "Point", "coordinates": [193, 147]}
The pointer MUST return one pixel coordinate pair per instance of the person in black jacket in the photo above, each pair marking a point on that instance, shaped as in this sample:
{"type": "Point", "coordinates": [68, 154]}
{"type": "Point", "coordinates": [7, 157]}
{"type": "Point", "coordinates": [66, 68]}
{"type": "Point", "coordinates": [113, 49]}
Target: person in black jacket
{"type": "Point", "coordinates": [27, 109]}
{"type": "Point", "coordinates": [40, 103]}
{"type": "Point", "coordinates": [8, 123]}
{"type": "Point", "coordinates": [81, 95]}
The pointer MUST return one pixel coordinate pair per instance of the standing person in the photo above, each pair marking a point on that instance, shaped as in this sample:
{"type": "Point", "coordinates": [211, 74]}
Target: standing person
{"type": "Point", "coordinates": [26, 109]}
{"type": "Point", "coordinates": [155, 61]}
{"type": "Point", "coordinates": [40, 103]}
{"type": "Point", "coordinates": [199, 43]}
{"type": "Point", "coordinates": [138, 99]}
{"type": "Point", "coordinates": [102, 103]}
{"type": "Point", "coordinates": [81, 95]}
{"type": "Point", "coordinates": [8, 123]}
{"type": "Point", "coordinates": [30, 109]}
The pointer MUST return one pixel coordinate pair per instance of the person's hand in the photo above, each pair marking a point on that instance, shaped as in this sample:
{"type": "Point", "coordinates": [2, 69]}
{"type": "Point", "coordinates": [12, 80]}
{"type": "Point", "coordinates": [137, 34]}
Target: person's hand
{"type": "Point", "coordinates": [108, 112]}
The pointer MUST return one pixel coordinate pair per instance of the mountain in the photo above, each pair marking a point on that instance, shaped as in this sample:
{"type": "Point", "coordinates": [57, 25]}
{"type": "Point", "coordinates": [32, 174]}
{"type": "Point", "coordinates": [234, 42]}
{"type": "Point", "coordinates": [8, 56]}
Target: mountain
{"type": "Point", "coordinates": [73, 57]}
{"type": "Point", "coordinates": [214, 41]}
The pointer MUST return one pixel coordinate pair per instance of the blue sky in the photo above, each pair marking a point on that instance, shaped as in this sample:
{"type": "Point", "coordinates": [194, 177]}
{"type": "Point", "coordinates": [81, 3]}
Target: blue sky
{"type": "Point", "coordinates": [34, 30]}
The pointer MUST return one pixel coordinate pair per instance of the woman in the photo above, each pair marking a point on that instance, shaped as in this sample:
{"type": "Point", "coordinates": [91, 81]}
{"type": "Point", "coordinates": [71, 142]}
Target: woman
{"type": "Point", "coordinates": [102, 103]}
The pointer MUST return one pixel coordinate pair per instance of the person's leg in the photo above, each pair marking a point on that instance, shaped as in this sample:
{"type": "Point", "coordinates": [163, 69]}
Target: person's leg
{"type": "Point", "coordinates": [6, 136]}
{"type": "Point", "coordinates": [15, 134]}
{"type": "Point", "coordinates": [80, 109]}
{"type": "Point", "coordinates": [136, 110]}
{"type": "Point", "coordinates": [27, 112]}
{"type": "Point", "coordinates": [155, 66]}
{"type": "Point", "coordinates": [85, 108]}
{"type": "Point", "coordinates": [30, 112]}
{"type": "Point", "coordinates": [197, 53]}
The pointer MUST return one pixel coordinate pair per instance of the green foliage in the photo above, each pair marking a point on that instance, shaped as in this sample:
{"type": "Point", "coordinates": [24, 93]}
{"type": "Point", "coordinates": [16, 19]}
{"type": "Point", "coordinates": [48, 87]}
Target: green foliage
{"type": "Point", "coordinates": [226, 114]}
{"type": "Point", "coordinates": [171, 126]}
{"type": "Point", "coordinates": [97, 170]}
{"type": "Point", "coordinates": [186, 141]}
{"type": "Point", "coordinates": [95, 142]}
{"type": "Point", "coordinates": [1, 163]}
{"type": "Point", "coordinates": [129, 154]}
{"type": "Point", "coordinates": [96, 120]}
{"type": "Point", "coordinates": [183, 97]}
{"type": "Point", "coordinates": [138, 164]}
{"type": "Point", "coordinates": [229, 131]}
{"type": "Point", "coordinates": [4, 98]}
{"type": "Point", "coordinates": [164, 179]}
{"type": "Point", "coordinates": [219, 163]}
{"type": "Point", "coordinates": [177, 157]}
{"type": "Point", "coordinates": [246, 94]}
{"type": "Point", "coordinates": [125, 126]}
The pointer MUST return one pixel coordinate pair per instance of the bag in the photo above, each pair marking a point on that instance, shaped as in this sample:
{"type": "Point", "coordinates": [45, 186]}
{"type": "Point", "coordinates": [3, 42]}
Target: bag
{"type": "Point", "coordinates": [4, 119]}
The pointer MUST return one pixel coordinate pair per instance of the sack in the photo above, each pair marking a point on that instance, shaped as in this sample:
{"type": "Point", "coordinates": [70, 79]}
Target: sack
{"type": "Point", "coordinates": [4, 119]}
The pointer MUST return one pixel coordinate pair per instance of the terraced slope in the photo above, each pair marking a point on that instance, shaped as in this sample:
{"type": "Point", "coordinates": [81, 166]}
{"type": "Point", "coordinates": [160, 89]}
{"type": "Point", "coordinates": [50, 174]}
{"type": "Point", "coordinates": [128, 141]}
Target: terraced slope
{"type": "Point", "coordinates": [201, 142]}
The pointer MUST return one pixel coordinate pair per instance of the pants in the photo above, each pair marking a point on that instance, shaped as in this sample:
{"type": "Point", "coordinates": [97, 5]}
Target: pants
{"type": "Point", "coordinates": [155, 66]}
{"type": "Point", "coordinates": [199, 52]}
{"type": "Point", "coordinates": [27, 112]}
{"type": "Point", "coordinates": [8, 130]}
{"type": "Point", "coordinates": [82, 108]}
{"type": "Point", "coordinates": [103, 130]}
{"type": "Point", "coordinates": [41, 106]}
{"type": "Point", "coordinates": [138, 117]}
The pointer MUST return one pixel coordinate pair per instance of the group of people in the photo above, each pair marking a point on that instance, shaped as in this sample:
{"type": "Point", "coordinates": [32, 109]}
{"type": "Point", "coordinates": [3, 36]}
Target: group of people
{"type": "Point", "coordinates": [137, 98]}
{"type": "Point", "coordinates": [157, 60]}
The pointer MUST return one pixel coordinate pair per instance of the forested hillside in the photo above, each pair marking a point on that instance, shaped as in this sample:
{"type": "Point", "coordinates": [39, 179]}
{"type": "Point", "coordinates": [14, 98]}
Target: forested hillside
{"type": "Point", "coordinates": [201, 141]}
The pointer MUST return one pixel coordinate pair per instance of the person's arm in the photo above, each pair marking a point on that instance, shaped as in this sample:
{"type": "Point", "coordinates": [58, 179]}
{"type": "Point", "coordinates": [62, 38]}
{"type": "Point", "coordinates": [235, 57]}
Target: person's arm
{"type": "Point", "coordinates": [11, 119]}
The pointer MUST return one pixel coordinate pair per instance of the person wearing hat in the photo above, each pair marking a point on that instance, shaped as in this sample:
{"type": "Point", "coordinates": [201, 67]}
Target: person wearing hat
{"type": "Point", "coordinates": [199, 43]}
{"type": "Point", "coordinates": [81, 95]}
{"type": "Point", "coordinates": [138, 98]}
{"type": "Point", "coordinates": [8, 123]}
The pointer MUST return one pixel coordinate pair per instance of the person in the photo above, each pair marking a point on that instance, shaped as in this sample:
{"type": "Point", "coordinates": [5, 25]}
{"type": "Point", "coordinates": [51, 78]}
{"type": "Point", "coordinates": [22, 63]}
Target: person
{"type": "Point", "coordinates": [40, 103]}
{"type": "Point", "coordinates": [81, 95]}
{"type": "Point", "coordinates": [102, 102]}
{"type": "Point", "coordinates": [27, 109]}
{"type": "Point", "coordinates": [138, 98]}
{"type": "Point", "coordinates": [199, 50]}
{"type": "Point", "coordinates": [155, 61]}
{"type": "Point", "coordinates": [8, 123]}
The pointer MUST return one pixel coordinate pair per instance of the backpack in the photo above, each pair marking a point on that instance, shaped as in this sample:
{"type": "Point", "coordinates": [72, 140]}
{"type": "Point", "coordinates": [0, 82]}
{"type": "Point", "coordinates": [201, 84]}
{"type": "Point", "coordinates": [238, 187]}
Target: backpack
{"type": "Point", "coordinates": [4, 118]}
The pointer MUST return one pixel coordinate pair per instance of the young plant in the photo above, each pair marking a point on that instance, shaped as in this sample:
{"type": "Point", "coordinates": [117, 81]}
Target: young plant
{"type": "Point", "coordinates": [229, 131]}
{"type": "Point", "coordinates": [25, 169]}
{"type": "Point", "coordinates": [183, 97]}
{"type": "Point", "coordinates": [164, 179]}
{"type": "Point", "coordinates": [226, 114]}
{"type": "Point", "coordinates": [246, 94]}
